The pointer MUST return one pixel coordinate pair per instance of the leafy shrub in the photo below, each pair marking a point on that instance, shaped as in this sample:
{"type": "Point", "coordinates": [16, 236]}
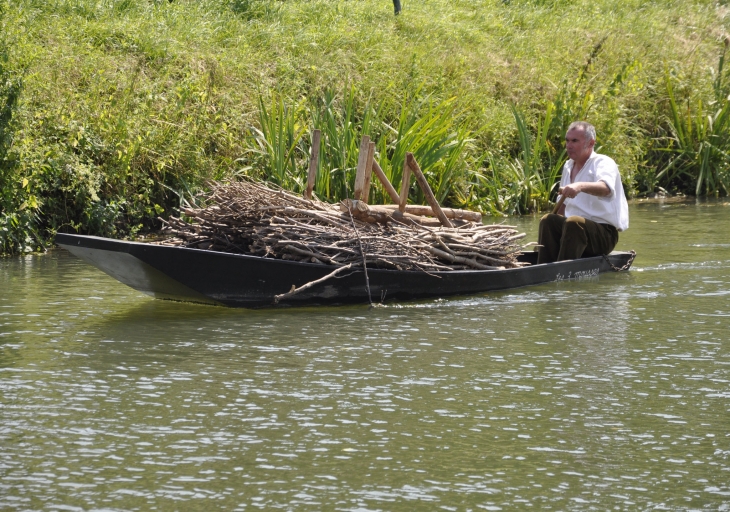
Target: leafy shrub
{"type": "Point", "coordinates": [113, 112]}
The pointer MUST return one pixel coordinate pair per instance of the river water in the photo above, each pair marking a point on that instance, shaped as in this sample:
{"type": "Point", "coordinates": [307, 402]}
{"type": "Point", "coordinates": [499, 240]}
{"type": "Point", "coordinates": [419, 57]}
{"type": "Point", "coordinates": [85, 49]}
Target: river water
{"type": "Point", "coordinates": [606, 393]}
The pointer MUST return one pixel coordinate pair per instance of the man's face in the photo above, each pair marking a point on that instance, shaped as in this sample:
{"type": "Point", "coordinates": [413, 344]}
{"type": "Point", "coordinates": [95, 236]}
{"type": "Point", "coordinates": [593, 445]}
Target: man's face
{"type": "Point", "coordinates": [577, 144]}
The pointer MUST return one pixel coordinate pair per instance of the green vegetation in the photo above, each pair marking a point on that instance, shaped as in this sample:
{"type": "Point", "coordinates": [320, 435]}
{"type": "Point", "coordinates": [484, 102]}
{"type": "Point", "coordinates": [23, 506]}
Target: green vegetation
{"type": "Point", "coordinates": [698, 145]}
{"type": "Point", "coordinates": [113, 111]}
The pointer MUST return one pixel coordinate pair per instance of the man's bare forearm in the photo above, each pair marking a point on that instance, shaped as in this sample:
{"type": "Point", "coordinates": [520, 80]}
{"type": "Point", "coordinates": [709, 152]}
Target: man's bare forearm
{"type": "Point", "coordinates": [597, 188]}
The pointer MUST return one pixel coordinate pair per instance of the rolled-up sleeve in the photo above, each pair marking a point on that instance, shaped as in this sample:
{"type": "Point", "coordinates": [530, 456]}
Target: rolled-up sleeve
{"type": "Point", "coordinates": [607, 172]}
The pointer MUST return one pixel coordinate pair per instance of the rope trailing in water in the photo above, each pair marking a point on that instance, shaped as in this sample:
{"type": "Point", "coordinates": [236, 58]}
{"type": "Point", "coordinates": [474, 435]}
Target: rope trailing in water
{"type": "Point", "coordinates": [364, 263]}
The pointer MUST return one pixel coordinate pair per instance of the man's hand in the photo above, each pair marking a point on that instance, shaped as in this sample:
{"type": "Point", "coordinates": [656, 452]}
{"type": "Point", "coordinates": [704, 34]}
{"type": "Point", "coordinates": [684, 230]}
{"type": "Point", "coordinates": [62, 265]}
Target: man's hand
{"type": "Point", "coordinates": [597, 188]}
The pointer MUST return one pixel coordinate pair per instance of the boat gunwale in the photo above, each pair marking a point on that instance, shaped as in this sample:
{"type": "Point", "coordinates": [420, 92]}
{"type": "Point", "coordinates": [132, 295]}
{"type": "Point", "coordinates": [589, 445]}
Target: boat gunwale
{"type": "Point", "coordinates": [114, 241]}
{"type": "Point", "coordinates": [243, 280]}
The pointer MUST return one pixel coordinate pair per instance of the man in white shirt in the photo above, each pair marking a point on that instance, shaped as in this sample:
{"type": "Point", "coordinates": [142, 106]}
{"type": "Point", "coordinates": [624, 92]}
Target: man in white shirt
{"type": "Point", "coordinates": [595, 207]}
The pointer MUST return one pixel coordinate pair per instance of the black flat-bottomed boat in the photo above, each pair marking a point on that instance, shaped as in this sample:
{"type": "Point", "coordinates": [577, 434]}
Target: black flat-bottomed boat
{"type": "Point", "coordinates": [239, 280]}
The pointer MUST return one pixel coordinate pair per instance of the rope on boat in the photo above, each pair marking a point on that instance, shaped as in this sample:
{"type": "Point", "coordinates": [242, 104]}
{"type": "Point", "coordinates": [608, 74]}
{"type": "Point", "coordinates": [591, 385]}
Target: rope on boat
{"type": "Point", "coordinates": [364, 259]}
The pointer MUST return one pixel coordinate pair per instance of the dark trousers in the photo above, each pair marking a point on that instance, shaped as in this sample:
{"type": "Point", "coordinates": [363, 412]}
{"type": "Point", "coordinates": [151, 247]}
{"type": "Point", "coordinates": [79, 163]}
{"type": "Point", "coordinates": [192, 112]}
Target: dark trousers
{"type": "Point", "coordinates": [570, 238]}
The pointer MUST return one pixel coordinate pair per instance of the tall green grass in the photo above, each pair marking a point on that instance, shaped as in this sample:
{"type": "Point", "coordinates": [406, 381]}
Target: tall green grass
{"type": "Point", "coordinates": [278, 139]}
{"type": "Point", "coordinates": [536, 171]}
{"type": "Point", "coordinates": [112, 111]}
{"type": "Point", "coordinates": [698, 142]}
{"type": "Point", "coordinates": [343, 123]}
{"type": "Point", "coordinates": [430, 131]}
{"type": "Point", "coordinates": [281, 148]}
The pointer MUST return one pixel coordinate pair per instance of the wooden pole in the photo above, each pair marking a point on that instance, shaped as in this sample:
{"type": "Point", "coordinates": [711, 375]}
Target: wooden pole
{"type": "Point", "coordinates": [368, 172]}
{"type": "Point", "coordinates": [379, 214]}
{"type": "Point", "coordinates": [362, 161]}
{"type": "Point", "coordinates": [392, 192]}
{"type": "Point", "coordinates": [427, 211]}
{"type": "Point", "coordinates": [361, 211]}
{"type": "Point", "coordinates": [559, 204]}
{"type": "Point", "coordinates": [430, 198]}
{"type": "Point", "coordinates": [313, 161]}
{"type": "Point", "coordinates": [405, 183]}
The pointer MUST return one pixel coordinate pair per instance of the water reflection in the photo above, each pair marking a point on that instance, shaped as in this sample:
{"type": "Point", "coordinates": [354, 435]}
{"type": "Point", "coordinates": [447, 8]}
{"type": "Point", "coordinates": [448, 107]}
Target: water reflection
{"type": "Point", "coordinates": [574, 395]}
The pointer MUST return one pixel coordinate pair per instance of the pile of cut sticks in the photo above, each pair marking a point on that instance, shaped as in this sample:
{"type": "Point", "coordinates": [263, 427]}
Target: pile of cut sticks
{"type": "Point", "coordinates": [251, 218]}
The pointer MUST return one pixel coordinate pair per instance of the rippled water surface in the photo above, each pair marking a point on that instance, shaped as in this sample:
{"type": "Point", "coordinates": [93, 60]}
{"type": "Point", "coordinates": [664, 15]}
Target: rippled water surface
{"type": "Point", "coordinates": [607, 393]}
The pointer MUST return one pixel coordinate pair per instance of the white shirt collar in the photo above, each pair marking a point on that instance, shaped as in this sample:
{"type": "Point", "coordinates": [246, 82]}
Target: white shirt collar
{"type": "Point", "coordinates": [571, 162]}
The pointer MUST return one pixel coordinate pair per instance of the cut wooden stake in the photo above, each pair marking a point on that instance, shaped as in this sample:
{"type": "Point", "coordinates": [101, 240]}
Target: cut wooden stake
{"type": "Point", "coordinates": [313, 161]}
{"type": "Point", "coordinates": [361, 211]}
{"type": "Point", "coordinates": [392, 192]}
{"type": "Point", "coordinates": [368, 172]}
{"type": "Point", "coordinates": [405, 183]}
{"type": "Point", "coordinates": [362, 162]}
{"type": "Point", "coordinates": [414, 220]}
{"type": "Point", "coordinates": [430, 198]}
{"type": "Point", "coordinates": [379, 214]}
{"type": "Point", "coordinates": [427, 211]}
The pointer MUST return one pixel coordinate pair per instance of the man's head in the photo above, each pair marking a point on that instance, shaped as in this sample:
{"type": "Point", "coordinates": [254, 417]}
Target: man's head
{"type": "Point", "coordinates": [579, 141]}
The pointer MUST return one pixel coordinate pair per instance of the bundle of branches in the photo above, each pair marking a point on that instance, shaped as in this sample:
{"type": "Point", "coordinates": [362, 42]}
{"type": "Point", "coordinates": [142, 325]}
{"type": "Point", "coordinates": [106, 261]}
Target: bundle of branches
{"type": "Point", "coordinates": [250, 218]}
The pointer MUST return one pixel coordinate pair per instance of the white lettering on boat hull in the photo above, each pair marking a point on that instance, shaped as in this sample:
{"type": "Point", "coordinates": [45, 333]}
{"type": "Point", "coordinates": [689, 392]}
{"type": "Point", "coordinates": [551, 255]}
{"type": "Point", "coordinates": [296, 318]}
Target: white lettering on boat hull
{"type": "Point", "coordinates": [581, 274]}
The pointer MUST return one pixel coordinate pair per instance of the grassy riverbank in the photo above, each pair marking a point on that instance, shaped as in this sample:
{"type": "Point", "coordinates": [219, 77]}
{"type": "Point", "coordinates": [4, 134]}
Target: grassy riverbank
{"type": "Point", "coordinates": [110, 111]}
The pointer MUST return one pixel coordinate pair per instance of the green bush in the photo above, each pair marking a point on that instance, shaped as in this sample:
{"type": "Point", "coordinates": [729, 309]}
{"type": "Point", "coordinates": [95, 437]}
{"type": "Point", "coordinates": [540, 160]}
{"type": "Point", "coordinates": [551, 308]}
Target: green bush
{"type": "Point", "coordinates": [697, 141]}
{"type": "Point", "coordinates": [112, 112]}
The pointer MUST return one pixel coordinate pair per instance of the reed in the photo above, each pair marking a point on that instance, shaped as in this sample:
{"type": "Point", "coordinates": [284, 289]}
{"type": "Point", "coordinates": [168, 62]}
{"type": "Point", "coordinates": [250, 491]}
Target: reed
{"type": "Point", "coordinates": [425, 128]}
{"type": "Point", "coordinates": [698, 142]}
{"type": "Point", "coordinates": [342, 124]}
{"type": "Point", "coordinates": [431, 132]}
{"type": "Point", "coordinates": [536, 171]}
{"type": "Point", "coordinates": [277, 141]}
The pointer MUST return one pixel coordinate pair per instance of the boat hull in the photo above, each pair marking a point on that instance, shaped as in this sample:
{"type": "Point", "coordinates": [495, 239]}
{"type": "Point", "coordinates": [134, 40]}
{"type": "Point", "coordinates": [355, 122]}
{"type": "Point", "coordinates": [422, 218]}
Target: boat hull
{"type": "Point", "coordinates": [238, 280]}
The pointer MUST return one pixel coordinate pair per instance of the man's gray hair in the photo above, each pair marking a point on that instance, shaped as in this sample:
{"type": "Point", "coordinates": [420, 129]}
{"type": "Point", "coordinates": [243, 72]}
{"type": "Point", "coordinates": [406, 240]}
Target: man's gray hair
{"type": "Point", "coordinates": [586, 127]}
